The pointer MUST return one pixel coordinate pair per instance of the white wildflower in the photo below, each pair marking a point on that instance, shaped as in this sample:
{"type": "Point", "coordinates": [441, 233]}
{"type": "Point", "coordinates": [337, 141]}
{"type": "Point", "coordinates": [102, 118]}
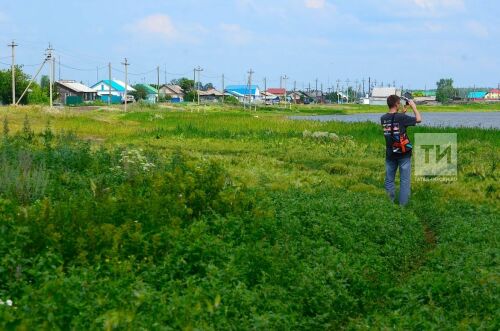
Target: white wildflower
{"type": "Point", "coordinates": [9, 302]}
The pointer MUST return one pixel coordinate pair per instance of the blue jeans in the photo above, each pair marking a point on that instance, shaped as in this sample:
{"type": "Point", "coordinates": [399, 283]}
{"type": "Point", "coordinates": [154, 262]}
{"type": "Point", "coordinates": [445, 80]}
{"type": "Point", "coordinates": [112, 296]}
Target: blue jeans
{"type": "Point", "coordinates": [391, 167]}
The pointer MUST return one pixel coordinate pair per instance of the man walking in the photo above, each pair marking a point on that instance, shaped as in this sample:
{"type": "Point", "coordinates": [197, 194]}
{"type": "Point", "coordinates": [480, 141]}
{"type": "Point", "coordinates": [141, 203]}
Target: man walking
{"type": "Point", "coordinates": [398, 147]}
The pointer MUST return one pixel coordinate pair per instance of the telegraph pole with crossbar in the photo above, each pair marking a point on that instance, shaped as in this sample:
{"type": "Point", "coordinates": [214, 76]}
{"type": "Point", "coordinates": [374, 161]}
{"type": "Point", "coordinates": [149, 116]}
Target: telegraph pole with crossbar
{"type": "Point", "coordinates": [126, 64]}
{"type": "Point", "coordinates": [13, 45]}
{"type": "Point", "coordinates": [51, 72]}
{"type": "Point", "coordinates": [250, 74]}
{"type": "Point", "coordinates": [197, 70]}
{"type": "Point", "coordinates": [223, 88]}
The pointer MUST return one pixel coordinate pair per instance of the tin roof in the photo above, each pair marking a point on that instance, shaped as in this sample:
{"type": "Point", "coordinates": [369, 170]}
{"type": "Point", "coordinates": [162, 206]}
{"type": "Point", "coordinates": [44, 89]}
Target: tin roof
{"type": "Point", "coordinates": [211, 92]}
{"type": "Point", "coordinates": [384, 92]}
{"type": "Point", "coordinates": [242, 89]}
{"type": "Point", "coordinates": [277, 91]}
{"type": "Point", "coordinates": [116, 85]}
{"type": "Point", "coordinates": [477, 95]}
{"type": "Point", "coordinates": [75, 86]}
{"type": "Point", "coordinates": [172, 87]}
{"type": "Point", "coordinates": [150, 89]}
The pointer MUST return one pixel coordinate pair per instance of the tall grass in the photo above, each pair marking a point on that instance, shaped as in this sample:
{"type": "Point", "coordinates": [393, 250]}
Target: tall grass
{"type": "Point", "coordinates": [235, 220]}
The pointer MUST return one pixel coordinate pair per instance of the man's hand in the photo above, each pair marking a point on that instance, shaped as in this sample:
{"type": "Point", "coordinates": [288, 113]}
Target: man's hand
{"type": "Point", "coordinates": [417, 113]}
{"type": "Point", "coordinates": [412, 104]}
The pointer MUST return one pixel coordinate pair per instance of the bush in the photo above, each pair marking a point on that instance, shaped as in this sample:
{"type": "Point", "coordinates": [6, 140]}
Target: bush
{"type": "Point", "coordinates": [130, 238]}
{"type": "Point", "coordinates": [230, 100]}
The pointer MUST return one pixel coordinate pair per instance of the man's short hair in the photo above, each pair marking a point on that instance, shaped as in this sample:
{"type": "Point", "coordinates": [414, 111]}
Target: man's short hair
{"type": "Point", "coordinates": [393, 100]}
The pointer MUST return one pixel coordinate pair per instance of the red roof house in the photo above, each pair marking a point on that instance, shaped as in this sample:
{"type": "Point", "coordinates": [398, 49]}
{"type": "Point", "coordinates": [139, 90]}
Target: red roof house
{"type": "Point", "coordinates": [493, 94]}
{"type": "Point", "coordinates": [277, 91]}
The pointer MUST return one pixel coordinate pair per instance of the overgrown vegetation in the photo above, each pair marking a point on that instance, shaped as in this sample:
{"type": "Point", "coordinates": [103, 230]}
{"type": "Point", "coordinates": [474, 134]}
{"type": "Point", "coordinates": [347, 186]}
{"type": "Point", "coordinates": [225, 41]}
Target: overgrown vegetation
{"type": "Point", "coordinates": [230, 220]}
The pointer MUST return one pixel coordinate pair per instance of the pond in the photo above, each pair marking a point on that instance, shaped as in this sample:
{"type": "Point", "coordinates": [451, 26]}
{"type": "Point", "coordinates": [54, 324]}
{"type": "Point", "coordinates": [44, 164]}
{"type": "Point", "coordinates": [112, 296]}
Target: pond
{"type": "Point", "coordinates": [455, 120]}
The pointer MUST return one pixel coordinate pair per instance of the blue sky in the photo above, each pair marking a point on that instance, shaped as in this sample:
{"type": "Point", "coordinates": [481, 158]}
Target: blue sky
{"type": "Point", "coordinates": [412, 42]}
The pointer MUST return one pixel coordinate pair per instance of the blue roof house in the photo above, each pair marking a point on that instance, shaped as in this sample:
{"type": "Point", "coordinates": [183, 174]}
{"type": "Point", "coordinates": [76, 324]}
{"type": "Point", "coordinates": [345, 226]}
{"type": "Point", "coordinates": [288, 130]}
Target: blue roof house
{"type": "Point", "coordinates": [243, 92]}
{"type": "Point", "coordinates": [117, 89]}
{"type": "Point", "coordinates": [478, 95]}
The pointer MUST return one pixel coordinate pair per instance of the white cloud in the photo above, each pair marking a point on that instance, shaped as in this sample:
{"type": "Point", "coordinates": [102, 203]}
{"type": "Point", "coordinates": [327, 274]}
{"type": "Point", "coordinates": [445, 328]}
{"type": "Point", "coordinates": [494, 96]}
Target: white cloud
{"type": "Point", "coordinates": [477, 29]}
{"type": "Point", "coordinates": [157, 24]}
{"type": "Point", "coordinates": [315, 4]}
{"type": "Point", "coordinates": [235, 34]}
{"type": "Point", "coordinates": [437, 5]}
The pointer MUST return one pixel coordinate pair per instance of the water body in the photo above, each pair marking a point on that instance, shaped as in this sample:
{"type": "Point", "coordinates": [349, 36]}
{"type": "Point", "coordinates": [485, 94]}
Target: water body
{"type": "Point", "coordinates": [454, 120]}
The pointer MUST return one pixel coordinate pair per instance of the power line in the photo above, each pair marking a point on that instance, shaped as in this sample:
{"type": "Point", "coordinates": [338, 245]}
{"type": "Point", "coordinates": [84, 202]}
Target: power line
{"type": "Point", "coordinates": [80, 69]}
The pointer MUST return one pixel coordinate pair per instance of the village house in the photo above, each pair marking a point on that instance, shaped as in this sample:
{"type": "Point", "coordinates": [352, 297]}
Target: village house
{"type": "Point", "coordinates": [114, 87]}
{"type": "Point", "coordinates": [380, 94]}
{"type": "Point", "coordinates": [211, 95]}
{"type": "Point", "coordinates": [295, 97]}
{"type": "Point", "coordinates": [269, 98]}
{"type": "Point", "coordinates": [152, 93]}
{"type": "Point", "coordinates": [73, 93]}
{"type": "Point", "coordinates": [244, 92]}
{"type": "Point", "coordinates": [493, 94]}
{"type": "Point", "coordinates": [279, 92]}
{"type": "Point", "coordinates": [172, 92]}
{"type": "Point", "coordinates": [477, 95]}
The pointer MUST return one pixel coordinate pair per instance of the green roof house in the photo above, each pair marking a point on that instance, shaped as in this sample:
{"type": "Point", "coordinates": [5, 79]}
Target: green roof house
{"type": "Point", "coordinates": [152, 93]}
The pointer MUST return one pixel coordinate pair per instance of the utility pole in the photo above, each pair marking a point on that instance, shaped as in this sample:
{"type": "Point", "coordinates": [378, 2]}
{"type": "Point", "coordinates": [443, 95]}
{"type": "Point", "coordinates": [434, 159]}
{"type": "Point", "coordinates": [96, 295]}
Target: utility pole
{"type": "Point", "coordinates": [158, 83]}
{"type": "Point", "coordinates": [97, 69]}
{"type": "Point", "coordinates": [223, 88]}
{"type": "Point", "coordinates": [295, 92]}
{"type": "Point", "coordinates": [347, 89]}
{"type": "Point", "coordinates": [197, 70]}
{"type": "Point", "coordinates": [165, 74]}
{"type": "Point", "coordinates": [265, 90]}
{"type": "Point", "coordinates": [53, 70]}
{"type": "Point", "coordinates": [250, 73]}
{"type": "Point", "coordinates": [13, 45]}
{"type": "Point", "coordinates": [59, 59]}
{"type": "Point", "coordinates": [51, 73]}
{"type": "Point", "coordinates": [126, 64]}
{"type": "Point", "coordinates": [109, 84]}
{"type": "Point", "coordinates": [322, 93]}
{"type": "Point", "coordinates": [285, 79]}
{"type": "Point", "coordinates": [316, 92]}
{"type": "Point", "coordinates": [338, 95]}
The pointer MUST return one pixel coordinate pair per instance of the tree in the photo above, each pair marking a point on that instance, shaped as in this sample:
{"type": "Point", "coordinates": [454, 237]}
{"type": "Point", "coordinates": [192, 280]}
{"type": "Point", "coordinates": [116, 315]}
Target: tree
{"type": "Point", "coordinates": [185, 83]}
{"type": "Point", "coordinates": [45, 88]}
{"type": "Point", "coordinates": [22, 81]}
{"type": "Point", "coordinates": [140, 92]}
{"type": "Point", "coordinates": [45, 82]}
{"type": "Point", "coordinates": [37, 95]}
{"type": "Point", "coordinates": [230, 100]}
{"type": "Point", "coordinates": [190, 96]}
{"type": "Point", "coordinates": [333, 97]}
{"type": "Point", "coordinates": [207, 87]}
{"type": "Point", "coordinates": [445, 90]}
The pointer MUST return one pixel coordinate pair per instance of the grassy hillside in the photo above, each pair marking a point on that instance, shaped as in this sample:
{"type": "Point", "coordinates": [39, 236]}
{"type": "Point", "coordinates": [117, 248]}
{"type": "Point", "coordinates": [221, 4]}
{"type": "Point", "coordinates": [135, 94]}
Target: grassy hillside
{"type": "Point", "coordinates": [209, 218]}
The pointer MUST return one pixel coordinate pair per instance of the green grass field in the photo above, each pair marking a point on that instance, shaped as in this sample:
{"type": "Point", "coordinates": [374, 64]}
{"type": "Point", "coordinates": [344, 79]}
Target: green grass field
{"type": "Point", "coordinates": [348, 109]}
{"type": "Point", "coordinates": [210, 218]}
